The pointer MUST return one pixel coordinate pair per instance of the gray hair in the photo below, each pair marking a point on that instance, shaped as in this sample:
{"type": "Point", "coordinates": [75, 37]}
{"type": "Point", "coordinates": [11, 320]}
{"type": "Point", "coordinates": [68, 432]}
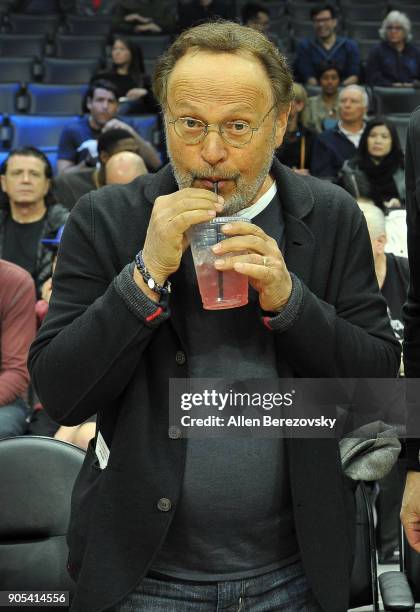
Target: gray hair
{"type": "Point", "coordinates": [399, 18]}
{"type": "Point", "coordinates": [362, 90]}
{"type": "Point", "coordinates": [375, 219]}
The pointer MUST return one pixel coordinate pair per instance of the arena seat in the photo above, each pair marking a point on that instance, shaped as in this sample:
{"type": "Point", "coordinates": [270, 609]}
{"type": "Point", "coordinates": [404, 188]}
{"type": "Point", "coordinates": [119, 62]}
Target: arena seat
{"type": "Point", "coordinates": [51, 99]}
{"type": "Point", "coordinates": [412, 10]}
{"type": "Point", "coordinates": [364, 12]}
{"type": "Point", "coordinates": [396, 100]}
{"type": "Point", "coordinates": [74, 46]}
{"type": "Point", "coordinates": [365, 47]}
{"type": "Point", "coordinates": [65, 71]}
{"type": "Point", "coordinates": [14, 69]}
{"type": "Point", "coordinates": [77, 24]}
{"type": "Point", "coordinates": [145, 125]}
{"type": "Point", "coordinates": [363, 29]}
{"type": "Point", "coordinates": [36, 480]}
{"type": "Point", "coordinates": [8, 97]}
{"type": "Point", "coordinates": [401, 123]}
{"type": "Point", "coordinates": [301, 29]}
{"type": "Point", "coordinates": [40, 131]}
{"type": "Point", "coordinates": [22, 45]}
{"type": "Point", "coordinates": [33, 24]}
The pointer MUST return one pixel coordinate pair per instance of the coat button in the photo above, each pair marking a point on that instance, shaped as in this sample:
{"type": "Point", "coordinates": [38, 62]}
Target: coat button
{"type": "Point", "coordinates": [174, 433]}
{"type": "Point", "coordinates": [180, 357]}
{"type": "Point", "coordinates": [164, 504]}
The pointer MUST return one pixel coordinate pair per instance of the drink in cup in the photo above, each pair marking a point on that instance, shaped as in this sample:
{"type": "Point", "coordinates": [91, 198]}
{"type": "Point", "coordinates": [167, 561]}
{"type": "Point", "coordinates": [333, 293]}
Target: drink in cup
{"type": "Point", "coordinates": [218, 289]}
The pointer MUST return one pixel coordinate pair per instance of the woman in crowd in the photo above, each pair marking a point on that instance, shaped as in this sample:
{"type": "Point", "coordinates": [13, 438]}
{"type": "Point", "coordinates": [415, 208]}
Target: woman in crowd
{"type": "Point", "coordinates": [395, 62]}
{"type": "Point", "coordinates": [323, 109]}
{"type": "Point", "coordinates": [377, 169]}
{"type": "Point", "coordinates": [295, 151]}
{"type": "Point", "coordinates": [128, 75]}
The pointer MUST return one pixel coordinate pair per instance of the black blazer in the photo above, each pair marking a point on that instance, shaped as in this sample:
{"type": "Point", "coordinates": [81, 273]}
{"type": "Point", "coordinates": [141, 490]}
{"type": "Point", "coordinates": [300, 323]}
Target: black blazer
{"type": "Point", "coordinates": [412, 306]}
{"type": "Point", "coordinates": [95, 354]}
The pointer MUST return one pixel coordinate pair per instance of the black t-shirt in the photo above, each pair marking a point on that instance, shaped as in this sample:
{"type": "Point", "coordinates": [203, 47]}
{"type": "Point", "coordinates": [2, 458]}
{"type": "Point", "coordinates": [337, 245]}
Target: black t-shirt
{"type": "Point", "coordinates": [21, 242]}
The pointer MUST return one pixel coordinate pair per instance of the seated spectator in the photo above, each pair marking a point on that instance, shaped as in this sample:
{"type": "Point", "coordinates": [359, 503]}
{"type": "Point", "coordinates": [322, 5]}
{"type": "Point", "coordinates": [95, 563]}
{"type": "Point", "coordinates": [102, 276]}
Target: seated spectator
{"type": "Point", "coordinates": [376, 171]}
{"type": "Point", "coordinates": [296, 148]}
{"type": "Point", "coordinates": [30, 212]}
{"type": "Point", "coordinates": [326, 46]}
{"type": "Point", "coordinates": [199, 11]}
{"type": "Point", "coordinates": [145, 16]}
{"type": "Point", "coordinates": [124, 167]}
{"type": "Point", "coordinates": [323, 109]}
{"type": "Point", "coordinates": [395, 61]}
{"type": "Point", "coordinates": [70, 186]}
{"type": "Point", "coordinates": [77, 434]}
{"type": "Point", "coordinates": [88, 8]}
{"type": "Point", "coordinates": [393, 275]}
{"type": "Point", "coordinates": [127, 74]}
{"type": "Point", "coordinates": [78, 142]}
{"type": "Point", "coordinates": [17, 331]}
{"type": "Point", "coordinates": [331, 148]}
{"type": "Point", "coordinates": [257, 16]}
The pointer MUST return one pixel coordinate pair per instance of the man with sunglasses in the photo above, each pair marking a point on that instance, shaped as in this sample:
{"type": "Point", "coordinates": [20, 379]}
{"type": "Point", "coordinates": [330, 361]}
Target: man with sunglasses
{"type": "Point", "coordinates": [164, 523]}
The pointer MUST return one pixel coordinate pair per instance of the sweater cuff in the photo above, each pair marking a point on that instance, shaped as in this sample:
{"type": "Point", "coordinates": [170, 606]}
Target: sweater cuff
{"type": "Point", "coordinates": [280, 322]}
{"type": "Point", "coordinates": [148, 311]}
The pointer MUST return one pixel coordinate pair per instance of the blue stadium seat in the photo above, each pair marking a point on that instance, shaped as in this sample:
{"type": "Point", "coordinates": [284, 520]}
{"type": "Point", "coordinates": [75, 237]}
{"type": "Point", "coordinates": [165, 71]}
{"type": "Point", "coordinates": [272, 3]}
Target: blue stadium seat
{"type": "Point", "coordinates": [38, 131]}
{"type": "Point", "coordinates": [33, 24]}
{"type": "Point", "coordinates": [51, 99]}
{"type": "Point", "coordinates": [14, 69]}
{"type": "Point", "coordinates": [22, 45]}
{"type": "Point", "coordinates": [73, 46]}
{"type": "Point", "coordinates": [8, 95]}
{"type": "Point", "coordinates": [145, 125]}
{"type": "Point", "coordinates": [57, 70]}
{"type": "Point", "coordinates": [100, 24]}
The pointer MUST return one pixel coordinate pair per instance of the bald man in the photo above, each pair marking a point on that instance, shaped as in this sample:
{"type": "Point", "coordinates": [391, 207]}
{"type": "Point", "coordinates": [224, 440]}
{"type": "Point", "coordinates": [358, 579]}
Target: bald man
{"type": "Point", "coordinates": [124, 167]}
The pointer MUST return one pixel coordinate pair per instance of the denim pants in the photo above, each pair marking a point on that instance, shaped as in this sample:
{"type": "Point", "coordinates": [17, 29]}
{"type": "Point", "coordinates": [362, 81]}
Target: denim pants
{"type": "Point", "coordinates": [13, 419]}
{"type": "Point", "coordinates": [285, 589]}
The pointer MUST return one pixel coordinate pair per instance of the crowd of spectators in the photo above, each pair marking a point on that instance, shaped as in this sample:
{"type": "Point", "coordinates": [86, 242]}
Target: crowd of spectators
{"type": "Point", "coordinates": [329, 135]}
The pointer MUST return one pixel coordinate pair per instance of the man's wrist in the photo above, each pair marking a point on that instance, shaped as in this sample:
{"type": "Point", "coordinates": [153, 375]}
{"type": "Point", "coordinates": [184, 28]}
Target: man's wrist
{"type": "Point", "coordinates": [138, 279]}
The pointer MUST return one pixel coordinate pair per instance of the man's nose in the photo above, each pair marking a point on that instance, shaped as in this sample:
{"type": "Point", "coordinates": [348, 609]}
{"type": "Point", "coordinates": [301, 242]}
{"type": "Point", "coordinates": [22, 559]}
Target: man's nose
{"type": "Point", "coordinates": [213, 148]}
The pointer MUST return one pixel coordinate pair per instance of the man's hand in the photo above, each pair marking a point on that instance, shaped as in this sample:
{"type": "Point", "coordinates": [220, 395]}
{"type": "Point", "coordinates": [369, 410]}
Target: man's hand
{"type": "Point", "coordinates": [410, 510]}
{"type": "Point", "coordinates": [114, 124]}
{"type": "Point", "coordinates": [46, 290]}
{"type": "Point", "coordinates": [263, 264]}
{"type": "Point", "coordinates": [133, 17]}
{"type": "Point", "coordinates": [172, 216]}
{"type": "Point", "coordinates": [148, 27]}
{"type": "Point", "coordinates": [136, 92]}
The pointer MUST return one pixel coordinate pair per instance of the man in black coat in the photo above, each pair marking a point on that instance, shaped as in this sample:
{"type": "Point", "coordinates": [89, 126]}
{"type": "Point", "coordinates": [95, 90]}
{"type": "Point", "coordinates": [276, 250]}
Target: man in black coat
{"type": "Point", "coordinates": [410, 511]}
{"type": "Point", "coordinates": [160, 521]}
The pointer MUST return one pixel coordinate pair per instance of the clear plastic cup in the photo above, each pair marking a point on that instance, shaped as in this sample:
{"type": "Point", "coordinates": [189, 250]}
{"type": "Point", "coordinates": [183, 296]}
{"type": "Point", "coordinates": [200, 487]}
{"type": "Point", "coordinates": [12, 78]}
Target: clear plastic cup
{"type": "Point", "coordinates": [218, 289]}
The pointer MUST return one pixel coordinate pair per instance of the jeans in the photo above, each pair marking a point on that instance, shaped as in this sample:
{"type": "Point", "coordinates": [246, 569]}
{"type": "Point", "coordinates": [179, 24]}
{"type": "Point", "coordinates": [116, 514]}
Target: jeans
{"type": "Point", "coordinates": [285, 589]}
{"type": "Point", "coordinates": [13, 419]}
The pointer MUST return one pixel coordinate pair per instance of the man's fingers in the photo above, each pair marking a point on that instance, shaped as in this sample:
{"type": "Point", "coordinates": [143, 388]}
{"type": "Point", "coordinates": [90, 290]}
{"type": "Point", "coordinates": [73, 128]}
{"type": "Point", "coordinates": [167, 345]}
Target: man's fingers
{"type": "Point", "coordinates": [182, 222]}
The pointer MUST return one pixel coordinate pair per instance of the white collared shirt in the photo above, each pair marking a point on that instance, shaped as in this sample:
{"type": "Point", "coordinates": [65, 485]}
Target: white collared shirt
{"type": "Point", "coordinates": [262, 202]}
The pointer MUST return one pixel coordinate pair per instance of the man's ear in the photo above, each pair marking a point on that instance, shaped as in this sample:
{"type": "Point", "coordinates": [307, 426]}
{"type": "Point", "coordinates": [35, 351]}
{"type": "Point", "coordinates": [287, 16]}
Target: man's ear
{"type": "Point", "coordinates": [281, 125]}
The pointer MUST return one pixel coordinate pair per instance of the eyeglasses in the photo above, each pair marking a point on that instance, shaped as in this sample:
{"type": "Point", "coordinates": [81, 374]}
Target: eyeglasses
{"type": "Point", "coordinates": [236, 133]}
{"type": "Point", "coordinates": [394, 27]}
